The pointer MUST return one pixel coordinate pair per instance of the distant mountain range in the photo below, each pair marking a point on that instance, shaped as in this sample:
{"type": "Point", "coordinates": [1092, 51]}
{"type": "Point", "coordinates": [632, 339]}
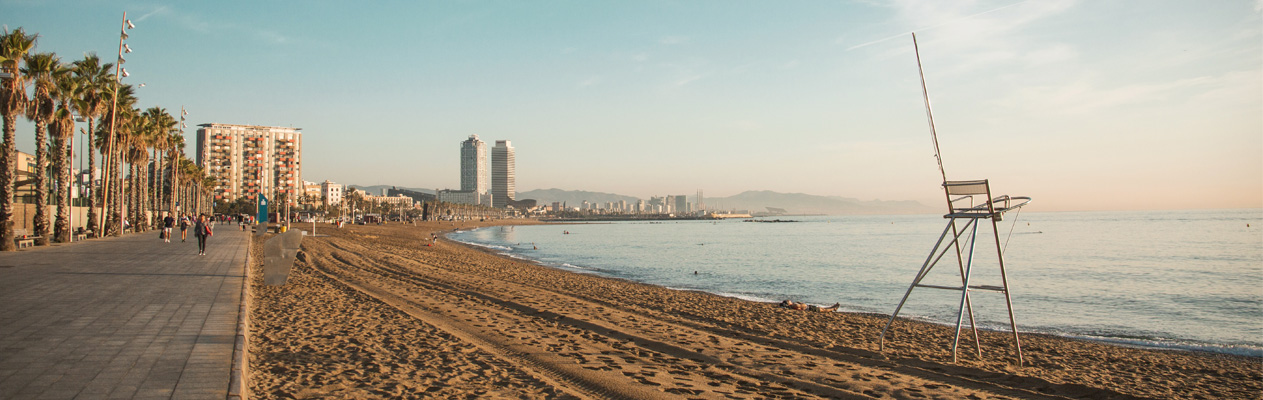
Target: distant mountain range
{"type": "Point", "coordinates": [754, 201]}
{"type": "Point", "coordinates": [376, 190]}
{"type": "Point", "coordinates": [572, 197]}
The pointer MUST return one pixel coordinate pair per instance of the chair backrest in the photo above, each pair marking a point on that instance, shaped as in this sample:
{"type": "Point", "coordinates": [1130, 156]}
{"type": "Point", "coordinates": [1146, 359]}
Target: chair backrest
{"type": "Point", "coordinates": [968, 196]}
{"type": "Point", "coordinates": [967, 188]}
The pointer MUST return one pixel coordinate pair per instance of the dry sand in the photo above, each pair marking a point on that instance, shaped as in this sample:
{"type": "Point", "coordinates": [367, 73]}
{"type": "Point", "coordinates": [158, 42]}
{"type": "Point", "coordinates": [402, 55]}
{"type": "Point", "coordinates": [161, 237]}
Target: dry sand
{"type": "Point", "coordinates": [371, 312]}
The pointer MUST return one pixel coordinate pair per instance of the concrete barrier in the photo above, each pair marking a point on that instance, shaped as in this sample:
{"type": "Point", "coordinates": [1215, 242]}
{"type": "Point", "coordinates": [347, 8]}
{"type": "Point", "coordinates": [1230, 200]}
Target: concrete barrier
{"type": "Point", "coordinates": [278, 257]}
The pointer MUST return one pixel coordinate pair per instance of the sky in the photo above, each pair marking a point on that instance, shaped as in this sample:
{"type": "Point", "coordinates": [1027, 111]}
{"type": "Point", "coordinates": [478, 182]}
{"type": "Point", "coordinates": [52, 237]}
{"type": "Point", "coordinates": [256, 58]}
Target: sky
{"type": "Point", "coordinates": [1082, 105]}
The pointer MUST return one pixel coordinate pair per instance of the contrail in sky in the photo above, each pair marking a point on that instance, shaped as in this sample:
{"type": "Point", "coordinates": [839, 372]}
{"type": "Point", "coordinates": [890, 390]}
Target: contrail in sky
{"type": "Point", "coordinates": [934, 26]}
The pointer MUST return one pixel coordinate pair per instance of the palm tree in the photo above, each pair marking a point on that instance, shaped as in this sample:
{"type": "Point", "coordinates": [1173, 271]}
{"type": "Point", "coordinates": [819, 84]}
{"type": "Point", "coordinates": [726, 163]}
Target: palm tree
{"type": "Point", "coordinates": [13, 48]}
{"type": "Point", "coordinates": [159, 125]}
{"type": "Point", "coordinates": [91, 103]}
{"type": "Point", "coordinates": [62, 128]}
{"type": "Point", "coordinates": [40, 68]}
{"type": "Point", "coordinates": [176, 140]}
{"type": "Point", "coordinates": [113, 149]}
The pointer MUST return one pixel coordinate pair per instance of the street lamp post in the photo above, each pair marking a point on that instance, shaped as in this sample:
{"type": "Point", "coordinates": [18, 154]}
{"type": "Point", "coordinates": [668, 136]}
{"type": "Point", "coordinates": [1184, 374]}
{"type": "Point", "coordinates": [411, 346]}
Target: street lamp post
{"type": "Point", "coordinates": [119, 74]}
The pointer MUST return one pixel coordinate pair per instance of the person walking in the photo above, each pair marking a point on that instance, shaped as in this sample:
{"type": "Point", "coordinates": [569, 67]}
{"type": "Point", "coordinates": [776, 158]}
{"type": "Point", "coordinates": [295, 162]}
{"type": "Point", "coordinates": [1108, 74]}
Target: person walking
{"type": "Point", "coordinates": [202, 230]}
{"type": "Point", "coordinates": [184, 227]}
{"type": "Point", "coordinates": [167, 222]}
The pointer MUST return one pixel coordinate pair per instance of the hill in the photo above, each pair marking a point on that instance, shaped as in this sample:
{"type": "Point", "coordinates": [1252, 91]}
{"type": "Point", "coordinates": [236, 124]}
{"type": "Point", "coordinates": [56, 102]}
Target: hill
{"type": "Point", "coordinates": [799, 203]}
{"type": "Point", "coordinates": [376, 190]}
{"type": "Point", "coordinates": [754, 201]}
{"type": "Point", "coordinates": [572, 197]}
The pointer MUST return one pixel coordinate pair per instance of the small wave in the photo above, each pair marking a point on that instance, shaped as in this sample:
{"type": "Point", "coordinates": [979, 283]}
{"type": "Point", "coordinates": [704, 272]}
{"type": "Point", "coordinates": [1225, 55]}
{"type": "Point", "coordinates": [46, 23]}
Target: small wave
{"type": "Point", "coordinates": [1160, 344]}
{"type": "Point", "coordinates": [578, 268]}
{"type": "Point", "coordinates": [488, 246]}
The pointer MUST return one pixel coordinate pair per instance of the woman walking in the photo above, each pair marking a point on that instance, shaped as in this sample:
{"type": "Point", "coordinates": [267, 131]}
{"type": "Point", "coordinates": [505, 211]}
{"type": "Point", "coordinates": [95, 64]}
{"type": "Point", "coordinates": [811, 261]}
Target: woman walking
{"type": "Point", "coordinates": [202, 230]}
{"type": "Point", "coordinates": [184, 228]}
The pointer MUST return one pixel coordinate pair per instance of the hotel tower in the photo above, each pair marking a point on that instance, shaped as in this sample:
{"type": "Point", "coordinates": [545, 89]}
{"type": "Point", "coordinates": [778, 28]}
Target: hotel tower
{"type": "Point", "coordinates": [502, 177]}
{"type": "Point", "coordinates": [247, 160]}
{"type": "Point", "coordinates": [473, 166]}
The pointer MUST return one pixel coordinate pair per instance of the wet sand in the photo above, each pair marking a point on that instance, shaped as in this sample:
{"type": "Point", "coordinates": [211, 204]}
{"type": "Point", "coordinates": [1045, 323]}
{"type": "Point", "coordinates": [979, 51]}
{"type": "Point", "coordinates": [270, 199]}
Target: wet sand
{"type": "Point", "coordinates": [372, 312]}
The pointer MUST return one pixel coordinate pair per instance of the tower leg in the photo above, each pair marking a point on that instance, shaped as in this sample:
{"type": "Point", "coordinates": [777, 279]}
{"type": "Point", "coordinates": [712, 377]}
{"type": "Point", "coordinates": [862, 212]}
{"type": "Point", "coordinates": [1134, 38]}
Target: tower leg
{"type": "Point", "coordinates": [925, 269]}
{"type": "Point", "coordinates": [1008, 300]}
{"type": "Point", "coordinates": [973, 324]}
{"type": "Point", "coordinates": [964, 290]}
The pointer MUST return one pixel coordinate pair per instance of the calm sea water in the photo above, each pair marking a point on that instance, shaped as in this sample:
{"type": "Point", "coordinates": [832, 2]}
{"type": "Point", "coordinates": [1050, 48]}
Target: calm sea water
{"type": "Point", "coordinates": [1175, 279]}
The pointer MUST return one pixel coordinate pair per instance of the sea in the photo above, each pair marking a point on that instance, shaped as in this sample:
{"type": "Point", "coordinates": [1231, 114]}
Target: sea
{"type": "Point", "coordinates": [1190, 280]}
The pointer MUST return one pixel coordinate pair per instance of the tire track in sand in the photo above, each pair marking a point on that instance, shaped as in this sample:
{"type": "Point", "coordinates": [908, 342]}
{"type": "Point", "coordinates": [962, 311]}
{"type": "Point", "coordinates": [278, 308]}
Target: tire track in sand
{"type": "Point", "coordinates": [701, 360]}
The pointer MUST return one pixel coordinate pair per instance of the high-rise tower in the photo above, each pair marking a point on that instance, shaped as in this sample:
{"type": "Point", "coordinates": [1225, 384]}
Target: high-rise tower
{"type": "Point", "coordinates": [473, 166]}
{"type": "Point", "coordinates": [503, 184]}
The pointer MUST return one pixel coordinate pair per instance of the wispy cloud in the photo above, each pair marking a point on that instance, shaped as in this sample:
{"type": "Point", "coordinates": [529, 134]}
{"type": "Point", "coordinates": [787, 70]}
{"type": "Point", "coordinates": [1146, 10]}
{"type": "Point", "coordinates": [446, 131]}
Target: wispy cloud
{"type": "Point", "coordinates": [590, 81]}
{"type": "Point", "coordinates": [673, 40]}
{"type": "Point", "coordinates": [197, 24]}
{"type": "Point", "coordinates": [688, 79]}
{"type": "Point", "coordinates": [157, 10]}
{"type": "Point", "coordinates": [1084, 97]}
{"type": "Point", "coordinates": [925, 15]}
{"type": "Point", "coordinates": [273, 37]}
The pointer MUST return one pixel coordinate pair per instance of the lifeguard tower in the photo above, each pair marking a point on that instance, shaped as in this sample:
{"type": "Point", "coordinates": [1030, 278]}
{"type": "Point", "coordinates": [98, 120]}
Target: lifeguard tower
{"type": "Point", "coordinates": [970, 204]}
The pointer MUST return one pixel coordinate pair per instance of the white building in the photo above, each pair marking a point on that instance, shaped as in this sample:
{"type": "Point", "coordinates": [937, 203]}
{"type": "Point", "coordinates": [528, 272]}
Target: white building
{"type": "Point", "coordinates": [331, 192]}
{"type": "Point", "coordinates": [503, 177]}
{"type": "Point", "coordinates": [393, 201]}
{"type": "Point", "coordinates": [463, 197]}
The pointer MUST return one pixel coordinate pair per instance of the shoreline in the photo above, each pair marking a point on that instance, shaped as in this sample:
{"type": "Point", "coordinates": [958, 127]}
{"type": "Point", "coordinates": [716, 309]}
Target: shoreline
{"type": "Point", "coordinates": [1135, 343]}
{"type": "Point", "coordinates": [373, 312]}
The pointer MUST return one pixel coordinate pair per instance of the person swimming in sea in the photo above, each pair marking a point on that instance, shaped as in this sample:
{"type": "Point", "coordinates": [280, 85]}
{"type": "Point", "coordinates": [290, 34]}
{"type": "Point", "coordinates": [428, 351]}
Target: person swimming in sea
{"type": "Point", "coordinates": [790, 304]}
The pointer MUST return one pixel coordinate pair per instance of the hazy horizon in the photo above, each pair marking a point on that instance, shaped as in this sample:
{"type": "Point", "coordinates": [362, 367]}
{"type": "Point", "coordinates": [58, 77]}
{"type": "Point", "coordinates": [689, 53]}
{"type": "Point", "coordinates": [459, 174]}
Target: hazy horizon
{"type": "Point", "coordinates": [1081, 105]}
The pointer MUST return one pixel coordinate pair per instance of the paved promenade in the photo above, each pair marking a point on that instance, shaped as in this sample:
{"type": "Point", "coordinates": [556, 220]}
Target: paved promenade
{"type": "Point", "coordinates": [127, 317]}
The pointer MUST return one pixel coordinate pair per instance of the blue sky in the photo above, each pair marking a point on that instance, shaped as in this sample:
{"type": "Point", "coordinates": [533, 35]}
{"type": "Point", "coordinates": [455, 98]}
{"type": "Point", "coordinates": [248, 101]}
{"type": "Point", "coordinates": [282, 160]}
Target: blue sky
{"type": "Point", "coordinates": [1083, 105]}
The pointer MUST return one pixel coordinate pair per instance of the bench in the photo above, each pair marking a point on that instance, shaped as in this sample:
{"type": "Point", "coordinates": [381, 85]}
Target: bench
{"type": "Point", "coordinates": [21, 240]}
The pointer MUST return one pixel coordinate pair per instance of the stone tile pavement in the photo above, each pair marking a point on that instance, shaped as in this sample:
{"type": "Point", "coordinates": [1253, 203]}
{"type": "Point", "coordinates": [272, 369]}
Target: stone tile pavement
{"type": "Point", "coordinates": [129, 317]}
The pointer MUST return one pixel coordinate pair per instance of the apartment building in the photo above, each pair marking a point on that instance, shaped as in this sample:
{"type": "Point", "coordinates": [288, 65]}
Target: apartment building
{"type": "Point", "coordinates": [249, 160]}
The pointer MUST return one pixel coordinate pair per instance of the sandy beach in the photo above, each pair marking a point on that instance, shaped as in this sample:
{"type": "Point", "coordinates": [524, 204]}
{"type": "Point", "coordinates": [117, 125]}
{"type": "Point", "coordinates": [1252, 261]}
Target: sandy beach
{"type": "Point", "coordinates": [373, 312]}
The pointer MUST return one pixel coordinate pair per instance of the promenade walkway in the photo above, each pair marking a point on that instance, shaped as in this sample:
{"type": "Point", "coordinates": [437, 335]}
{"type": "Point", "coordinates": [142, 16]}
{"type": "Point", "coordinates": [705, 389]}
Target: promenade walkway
{"type": "Point", "coordinates": [127, 317]}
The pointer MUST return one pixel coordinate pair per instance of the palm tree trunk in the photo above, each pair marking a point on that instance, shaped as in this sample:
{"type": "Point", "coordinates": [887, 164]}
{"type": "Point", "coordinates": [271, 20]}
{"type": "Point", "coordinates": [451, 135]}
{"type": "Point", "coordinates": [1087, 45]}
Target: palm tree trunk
{"type": "Point", "coordinates": [135, 214]}
{"type": "Point", "coordinates": [146, 205]}
{"type": "Point", "coordinates": [156, 186]}
{"type": "Point", "coordinates": [92, 180]}
{"type": "Point", "coordinates": [115, 202]}
{"type": "Point", "coordinates": [61, 227]}
{"type": "Point", "coordinates": [40, 224]}
{"type": "Point", "coordinates": [8, 166]}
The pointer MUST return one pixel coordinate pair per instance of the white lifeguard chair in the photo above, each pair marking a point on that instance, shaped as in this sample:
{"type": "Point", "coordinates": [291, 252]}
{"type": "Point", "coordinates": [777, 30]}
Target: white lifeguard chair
{"type": "Point", "coordinates": [969, 204]}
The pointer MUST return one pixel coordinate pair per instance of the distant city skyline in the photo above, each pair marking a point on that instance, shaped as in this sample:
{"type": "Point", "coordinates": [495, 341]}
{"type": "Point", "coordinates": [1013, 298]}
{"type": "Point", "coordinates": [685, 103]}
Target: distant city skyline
{"type": "Point", "coordinates": [1082, 105]}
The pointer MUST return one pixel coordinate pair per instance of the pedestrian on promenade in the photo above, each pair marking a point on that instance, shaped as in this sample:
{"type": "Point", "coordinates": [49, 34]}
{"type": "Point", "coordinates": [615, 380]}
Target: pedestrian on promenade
{"type": "Point", "coordinates": [202, 230]}
{"type": "Point", "coordinates": [184, 227]}
{"type": "Point", "coordinates": [167, 223]}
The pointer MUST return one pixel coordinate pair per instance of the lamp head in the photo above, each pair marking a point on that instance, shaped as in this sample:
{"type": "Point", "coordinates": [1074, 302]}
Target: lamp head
{"type": "Point", "coordinates": [124, 70]}
{"type": "Point", "coordinates": [130, 25]}
{"type": "Point", "coordinates": [126, 48]}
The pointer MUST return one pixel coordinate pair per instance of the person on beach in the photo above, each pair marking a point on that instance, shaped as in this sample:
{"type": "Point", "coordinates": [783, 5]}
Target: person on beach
{"type": "Point", "coordinates": [184, 227]}
{"type": "Point", "coordinates": [202, 230]}
{"type": "Point", "coordinates": [790, 304]}
{"type": "Point", "coordinates": [168, 222]}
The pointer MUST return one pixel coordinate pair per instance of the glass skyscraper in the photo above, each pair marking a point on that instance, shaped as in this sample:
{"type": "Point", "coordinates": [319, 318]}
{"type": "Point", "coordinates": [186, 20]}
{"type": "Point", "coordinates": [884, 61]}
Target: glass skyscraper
{"type": "Point", "coordinates": [474, 176]}
{"type": "Point", "coordinates": [502, 174]}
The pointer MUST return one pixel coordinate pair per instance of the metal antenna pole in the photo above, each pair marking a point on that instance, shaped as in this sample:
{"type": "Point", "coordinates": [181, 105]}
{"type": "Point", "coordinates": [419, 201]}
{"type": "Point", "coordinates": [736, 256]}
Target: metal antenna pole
{"type": "Point", "coordinates": [929, 114]}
